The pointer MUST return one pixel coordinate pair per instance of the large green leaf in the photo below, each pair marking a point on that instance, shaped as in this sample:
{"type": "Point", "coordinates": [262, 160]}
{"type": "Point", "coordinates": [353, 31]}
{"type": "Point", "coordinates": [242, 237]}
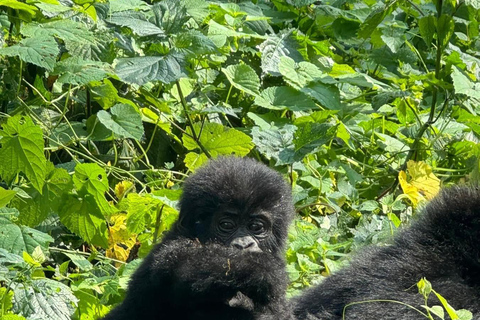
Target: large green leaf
{"type": "Point", "coordinates": [141, 70]}
{"type": "Point", "coordinates": [275, 142]}
{"type": "Point", "coordinates": [17, 5]}
{"type": "Point", "coordinates": [17, 239]}
{"type": "Point", "coordinates": [171, 15]}
{"type": "Point", "coordinates": [41, 51]}
{"type": "Point", "coordinates": [276, 47]}
{"type": "Point", "coordinates": [44, 299]}
{"type": "Point", "coordinates": [37, 207]}
{"type": "Point", "coordinates": [77, 71]}
{"type": "Point", "coordinates": [84, 218]}
{"type": "Point", "coordinates": [90, 178]}
{"type": "Point", "coordinates": [217, 140]}
{"type": "Point", "coordinates": [123, 120]}
{"type": "Point", "coordinates": [327, 95]}
{"type": "Point", "coordinates": [463, 85]}
{"type": "Point", "coordinates": [22, 150]}
{"type": "Point", "coordinates": [137, 21]}
{"type": "Point", "coordinates": [298, 75]}
{"type": "Point", "coordinates": [243, 77]}
{"type": "Point", "coordinates": [279, 98]}
{"type": "Point", "coordinates": [71, 32]}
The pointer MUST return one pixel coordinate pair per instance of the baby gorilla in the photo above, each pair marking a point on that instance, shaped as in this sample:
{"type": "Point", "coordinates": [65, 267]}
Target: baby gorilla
{"type": "Point", "coordinates": [443, 247]}
{"type": "Point", "coordinates": [223, 259]}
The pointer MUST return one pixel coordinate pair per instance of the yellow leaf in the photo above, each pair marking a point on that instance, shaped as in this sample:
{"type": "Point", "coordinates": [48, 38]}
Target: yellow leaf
{"type": "Point", "coordinates": [120, 240]}
{"type": "Point", "coordinates": [418, 183]}
{"type": "Point", "coordinates": [122, 188]}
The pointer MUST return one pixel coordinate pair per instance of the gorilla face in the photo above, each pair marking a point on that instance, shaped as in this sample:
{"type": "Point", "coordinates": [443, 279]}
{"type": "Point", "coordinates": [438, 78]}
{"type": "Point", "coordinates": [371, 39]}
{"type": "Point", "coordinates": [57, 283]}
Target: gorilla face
{"type": "Point", "coordinates": [239, 203]}
{"type": "Point", "coordinates": [242, 230]}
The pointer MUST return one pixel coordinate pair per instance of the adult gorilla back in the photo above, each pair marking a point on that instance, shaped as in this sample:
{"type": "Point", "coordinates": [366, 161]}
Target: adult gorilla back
{"type": "Point", "coordinates": [443, 247]}
{"type": "Point", "coordinates": [223, 258]}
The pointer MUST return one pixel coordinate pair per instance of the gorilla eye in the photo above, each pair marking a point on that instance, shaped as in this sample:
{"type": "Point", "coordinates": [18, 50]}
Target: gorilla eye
{"type": "Point", "coordinates": [257, 227]}
{"type": "Point", "coordinates": [227, 225]}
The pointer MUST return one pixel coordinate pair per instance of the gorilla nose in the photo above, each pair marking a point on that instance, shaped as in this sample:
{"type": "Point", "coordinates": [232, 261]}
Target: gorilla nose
{"type": "Point", "coordinates": [245, 243]}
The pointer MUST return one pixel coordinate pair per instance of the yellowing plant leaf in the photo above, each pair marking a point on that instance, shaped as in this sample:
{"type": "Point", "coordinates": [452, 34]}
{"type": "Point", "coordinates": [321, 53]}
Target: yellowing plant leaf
{"type": "Point", "coordinates": [418, 183]}
{"type": "Point", "coordinates": [120, 240]}
{"type": "Point", "coordinates": [122, 188]}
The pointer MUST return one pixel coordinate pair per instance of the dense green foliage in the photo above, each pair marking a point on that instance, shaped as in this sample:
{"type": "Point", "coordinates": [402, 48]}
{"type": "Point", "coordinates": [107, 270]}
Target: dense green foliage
{"type": "Point", "coordinates": [107, 106]}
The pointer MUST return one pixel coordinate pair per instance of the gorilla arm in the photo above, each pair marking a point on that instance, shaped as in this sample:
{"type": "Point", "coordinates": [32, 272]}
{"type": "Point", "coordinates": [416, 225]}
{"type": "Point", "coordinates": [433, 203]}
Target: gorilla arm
{"type": "Point", "coordinates": [182, 274]}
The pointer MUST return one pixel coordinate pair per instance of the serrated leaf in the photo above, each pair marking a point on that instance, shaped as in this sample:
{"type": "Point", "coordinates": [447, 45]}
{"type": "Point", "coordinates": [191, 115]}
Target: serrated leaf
{"type": "Point", "coordinates": [376, 17]}
{"type": "Point", "coordinates": [138, 21]}
{"type": "Point", "coordinates": [218, 140]}
{"type": "Point", "coordinates": [327, 95]}
{"type": "Point", "coordinates": [276, 143]}
{"type": "Point", "coordinates": [90, 178]}
{"type": "Point", "coordinates": [35, 209]}
{"type": "Point", "coordinates": [427, 27]}
{"type": "Point", "coordinates": [124, 5]}
{"type": "Point", "coordinates": [22, 150]}
{"type": "Point", "coordinates": [463, 85]}
{"type": "Point", "coordinates": [76, 71]}
{"type": "Point", "coordinates": [171, 15]}
{"type": "Point", "coordinates": [123, 120]}
{"type": "Point", "coordinates": [276, 47]}
{"type": "Point", "coordinates": [298, 75]}
{"type": "Point", "coordinates": [84, 218]}
{"type": "Point", "coordinates": [44, 299]}
{"type": "Point", "coordinates": [445, 29]}
{"type": "Point", "coordinates": [310, 136]}
{"type": "Point", "coordinates": [41, 51]}
{"type": "Point", "coordinates": [195, 42]}
{"type": "Point", "coordinates": [139, 211]}
{"type": "Point", "coordinates": [6, 196]}
{"type": "Point", "coordinates": [280, 98]}
{"type": "Point", "coordinates": [71, 32]}
{"type": "Point", "coordinates": [17, 239]}
{"type": "Point", "coordinates": [120, 240]}
{"type": "Point", "coordinates": [141, 70]}
{"type": "Point", "coordinates": [243, 77]}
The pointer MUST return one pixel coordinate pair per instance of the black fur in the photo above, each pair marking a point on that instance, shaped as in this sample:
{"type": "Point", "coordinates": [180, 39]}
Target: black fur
{"type": "Point", "coordinates": [443, 246]}
{"type": "Point", "coordinates": [192, 274]}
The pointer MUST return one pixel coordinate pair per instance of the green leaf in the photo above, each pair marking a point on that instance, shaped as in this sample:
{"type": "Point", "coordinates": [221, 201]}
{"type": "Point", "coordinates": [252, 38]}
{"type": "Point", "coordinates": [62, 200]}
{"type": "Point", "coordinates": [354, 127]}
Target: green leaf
{"type": "Point", "coordinates": [463, 85]}
{"type": "Point", "coordinates": [298, 75]}
{"type": "Point", "coordinates": [17, 5]}
{"type": "Point", "coordinates": [310, 136]}
{"type": "Point", "coordinates": [171, 15]}
{"type": "Point", "coordinates": [76, 71]}
{"type": "Point", "coordinates": [38, 206]}
{"type": "Point", "coordinates": [279, 98]}
{"type": "Point", "coordinates": [141, 70]}
{"type": "Point", "coordinates": [327, 95]}
{"type": "Point", "coordinates": [90, 178]}
{"type": "Point", "coordinates": [6, 196]}
{"type": "Point", "coordinates": [123, 120]}
{"type": "Point", "coordinates": [84, 218]}
{"type": "Point", "coordinates": [17, 239]}
{"type": "Point", "coordinates": [376, 17]}
{"type": "Point", "coordinates": [41, 51]}
{"type": "Point", "coordinates": [217, 140]}
{"type": "Point", "coordinates": [22, 150]}
{"type": "Point", "coordinates": [445, 29]}
{"type": "Point", "coordinates": [71, 32]}
{"type": "Point", "coordinates": [276, 47]}
{"type": "Point", "coordinates": [427, 27]}
{"type": "Point", "coordinates": [275, 142]}
{"type": "Point", "coordinates": [137, 21]}
{"type": "Point", "coordinates": [44, 299]}
{"type": "Point", "coordinates": [139, 210]}
{"type": "Point", "coordinates": [195, 42]}
{"type": "Point", "coordinates": [243, 77]}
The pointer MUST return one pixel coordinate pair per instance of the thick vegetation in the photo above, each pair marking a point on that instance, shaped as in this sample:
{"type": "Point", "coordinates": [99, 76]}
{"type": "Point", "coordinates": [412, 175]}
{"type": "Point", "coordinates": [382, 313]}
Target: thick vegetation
{"type": "Point", "coordinates": [367, 107]}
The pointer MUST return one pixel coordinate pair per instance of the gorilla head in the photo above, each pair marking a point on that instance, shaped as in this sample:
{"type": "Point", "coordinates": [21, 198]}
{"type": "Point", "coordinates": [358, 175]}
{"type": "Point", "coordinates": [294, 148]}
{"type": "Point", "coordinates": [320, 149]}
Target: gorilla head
{"type": "Point", "coordinates": [236, 202]}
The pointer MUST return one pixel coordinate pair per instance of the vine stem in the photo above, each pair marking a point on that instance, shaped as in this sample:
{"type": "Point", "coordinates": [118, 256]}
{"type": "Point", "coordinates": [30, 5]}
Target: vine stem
{"type": "Point", "coordinates": [189, 120]}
